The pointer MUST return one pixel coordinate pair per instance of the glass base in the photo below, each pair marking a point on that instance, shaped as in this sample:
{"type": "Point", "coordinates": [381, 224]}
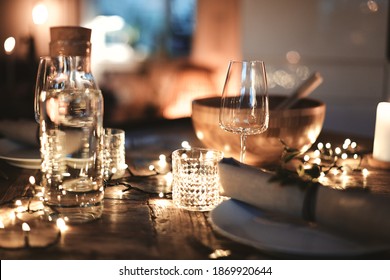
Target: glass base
{"type": "Point", "coordinates": [79, 215]}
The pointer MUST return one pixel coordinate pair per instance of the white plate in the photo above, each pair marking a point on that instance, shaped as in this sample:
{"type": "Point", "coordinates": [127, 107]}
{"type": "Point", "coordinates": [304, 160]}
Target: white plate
{"type": "Point", "coordinates": [18, 155]}
{"type": "Point", "coordinates": [276, 234]}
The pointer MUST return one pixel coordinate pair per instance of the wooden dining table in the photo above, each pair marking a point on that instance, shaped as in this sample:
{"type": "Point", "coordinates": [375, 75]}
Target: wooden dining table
{"type": "Point", "coordinates": [139, 220]}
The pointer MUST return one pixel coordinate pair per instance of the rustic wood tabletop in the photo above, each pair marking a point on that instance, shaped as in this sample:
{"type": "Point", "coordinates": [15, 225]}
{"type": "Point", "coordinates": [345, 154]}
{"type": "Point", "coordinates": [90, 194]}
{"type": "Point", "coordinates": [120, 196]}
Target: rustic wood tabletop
{"type": "Point", "coordinates": [142, 222]}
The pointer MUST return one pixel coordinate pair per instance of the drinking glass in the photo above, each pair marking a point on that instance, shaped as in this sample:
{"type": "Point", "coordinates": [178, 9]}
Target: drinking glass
{"type": "Point", "coordinates": [196, 178]}
{"type": "Point", "coordinates": [244, 104]}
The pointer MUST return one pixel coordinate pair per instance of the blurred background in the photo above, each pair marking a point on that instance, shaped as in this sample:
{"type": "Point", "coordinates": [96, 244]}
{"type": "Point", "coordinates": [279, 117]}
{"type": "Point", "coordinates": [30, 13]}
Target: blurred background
{"type": "Point", "coordinates": [152, 58]}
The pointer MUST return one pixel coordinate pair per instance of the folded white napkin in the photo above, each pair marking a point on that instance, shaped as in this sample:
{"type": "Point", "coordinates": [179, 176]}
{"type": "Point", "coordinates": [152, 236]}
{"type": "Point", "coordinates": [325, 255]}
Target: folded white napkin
{"type": "Point", "coordinates": [22, 131]}
{"type": "Point", "coordinates": [355, 213]}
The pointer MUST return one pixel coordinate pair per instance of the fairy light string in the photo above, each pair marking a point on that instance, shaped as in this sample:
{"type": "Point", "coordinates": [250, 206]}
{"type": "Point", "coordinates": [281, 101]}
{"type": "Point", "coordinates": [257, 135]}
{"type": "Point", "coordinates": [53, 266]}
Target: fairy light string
{"type": "Point", "coordinates": [324, 164]}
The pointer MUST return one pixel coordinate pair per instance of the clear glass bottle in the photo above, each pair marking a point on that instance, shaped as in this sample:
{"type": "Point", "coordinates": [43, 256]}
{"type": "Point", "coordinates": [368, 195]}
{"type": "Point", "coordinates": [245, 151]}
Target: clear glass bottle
{"type": "Point", "coordinates": [69, 106]}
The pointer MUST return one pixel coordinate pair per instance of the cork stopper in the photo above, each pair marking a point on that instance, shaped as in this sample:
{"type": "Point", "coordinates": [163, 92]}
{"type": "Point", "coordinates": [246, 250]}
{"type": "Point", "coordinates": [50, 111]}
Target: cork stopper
{"type": "Point", "coordinates": [70, 33]}
{"type": "Point", "coordinates": [70, 40]}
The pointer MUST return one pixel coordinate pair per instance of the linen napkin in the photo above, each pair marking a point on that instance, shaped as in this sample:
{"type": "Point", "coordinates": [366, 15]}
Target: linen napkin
{"type": "Point", "coordinates": [355, 213]}
{"type": "Point", "coordinates": [23, 131]}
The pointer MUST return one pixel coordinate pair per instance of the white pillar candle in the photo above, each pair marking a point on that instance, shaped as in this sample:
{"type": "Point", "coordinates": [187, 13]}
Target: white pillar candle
{"type": "Point", "coordinates": [382, 133]}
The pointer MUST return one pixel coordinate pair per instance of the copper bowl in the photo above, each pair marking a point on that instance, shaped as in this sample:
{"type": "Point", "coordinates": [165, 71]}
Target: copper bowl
{"type": "Point", "coordinates": [298, 127]}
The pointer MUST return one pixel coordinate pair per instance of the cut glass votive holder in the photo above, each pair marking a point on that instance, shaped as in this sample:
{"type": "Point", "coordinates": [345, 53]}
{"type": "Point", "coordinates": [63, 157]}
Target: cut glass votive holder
{"type": "Point", "coordinates": [196, 183]}
{"type": "Point", "coordinates": [114, 155]}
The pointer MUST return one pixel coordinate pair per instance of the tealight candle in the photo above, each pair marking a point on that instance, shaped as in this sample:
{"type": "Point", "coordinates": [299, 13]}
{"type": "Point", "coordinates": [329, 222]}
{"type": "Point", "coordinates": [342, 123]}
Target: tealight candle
{"type": "Point", "coordinates": [381, 149]}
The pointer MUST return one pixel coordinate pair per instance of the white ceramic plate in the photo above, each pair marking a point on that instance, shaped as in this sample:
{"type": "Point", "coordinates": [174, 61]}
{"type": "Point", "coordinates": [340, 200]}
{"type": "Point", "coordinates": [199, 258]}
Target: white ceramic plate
{"type": "Point", "coordinates": [18, 155]}
{"type": "Point", "coordinates": [276, 234]}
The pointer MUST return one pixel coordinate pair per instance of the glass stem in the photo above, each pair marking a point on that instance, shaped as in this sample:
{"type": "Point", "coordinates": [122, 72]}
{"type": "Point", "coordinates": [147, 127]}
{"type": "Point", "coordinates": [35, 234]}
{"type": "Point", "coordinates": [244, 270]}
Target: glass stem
{"type": "Point", "coordinates": [243, 147]}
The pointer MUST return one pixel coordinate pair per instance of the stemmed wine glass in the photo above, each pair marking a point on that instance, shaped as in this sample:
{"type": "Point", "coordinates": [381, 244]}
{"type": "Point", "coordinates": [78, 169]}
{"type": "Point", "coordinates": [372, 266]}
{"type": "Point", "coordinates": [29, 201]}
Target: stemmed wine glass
{"type": "Point", "coordinates": [244, 104]}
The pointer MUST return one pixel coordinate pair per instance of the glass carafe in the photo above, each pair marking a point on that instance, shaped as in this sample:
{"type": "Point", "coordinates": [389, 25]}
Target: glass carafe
{"type": "Point", "coordinates": [69, 108]}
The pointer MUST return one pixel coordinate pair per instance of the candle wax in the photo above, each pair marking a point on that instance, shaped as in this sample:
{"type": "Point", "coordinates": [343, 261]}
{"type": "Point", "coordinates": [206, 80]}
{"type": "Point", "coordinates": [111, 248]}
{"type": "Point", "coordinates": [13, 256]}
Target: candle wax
{"type": "Point", "coordinates": [381, 149]}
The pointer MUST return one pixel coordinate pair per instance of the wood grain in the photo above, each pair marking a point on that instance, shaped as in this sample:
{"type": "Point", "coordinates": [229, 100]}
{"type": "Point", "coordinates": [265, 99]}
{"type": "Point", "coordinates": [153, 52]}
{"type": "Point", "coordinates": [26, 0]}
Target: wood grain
{"type": "Point", "coordinates": [141, 225]}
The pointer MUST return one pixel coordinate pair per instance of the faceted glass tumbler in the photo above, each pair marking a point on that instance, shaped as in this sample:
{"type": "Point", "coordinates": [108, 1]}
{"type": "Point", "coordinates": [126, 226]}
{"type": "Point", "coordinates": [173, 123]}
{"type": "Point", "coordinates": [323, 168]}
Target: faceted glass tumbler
{"type": "Point", "coordinates": [196, 183]}
{"type": "Point", "coordinates": [114, 157]}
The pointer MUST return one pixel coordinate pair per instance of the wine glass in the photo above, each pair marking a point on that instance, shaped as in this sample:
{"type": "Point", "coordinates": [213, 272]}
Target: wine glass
{"type": "Point", "coordinates": [244, 104]}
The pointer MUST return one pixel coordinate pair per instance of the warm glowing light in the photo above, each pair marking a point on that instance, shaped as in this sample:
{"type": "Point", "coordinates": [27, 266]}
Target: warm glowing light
{"type": "Point", "coordinates": [185, 144]}
{"type": "Point", "coordinates": [12, 216]}
{"type": "Point", "coordinates": [25, 227]}
{"type": "Point", "coordinates": [227, 148]}
{"type": "Point", "coordinates": [219, 253]}
{"type": "Point", "coordinates": [293, 57]}
{"type": "Point", "coordinates": [161, 195]}
{"type": "Point", "coordinates": [284, 79]}
{"type": "Point", "coordinates": [151, 167]}
{"type": "Point", "coordinates": [320, 146]}
{"type": "Point", "coordinates": [347, 141]}
{"type": "Point", "coordinates": [124, 166]}
{"type": "Point", "coordinates": [209, 155]}
{"type": "Point", "coordinates": [317, 161]}
{"type": "Point", "coordinates": [1, 224]}
{"type": "Point", "coordinates": [9, 45]}
{"type": "Point", "coordinates": [61, 224]}
{"type": "Point", "coordinates": [40, 14]}
{"type": "Point", "coordinates": [163, 203]}
{"type": "Point", "coordinates": [18, 202]}
{"type": "Point", "coordinates": [31, 180]}
{"type": "Point", "coordinates": [317, 153]}
{"type": "Point", "coordinates": [306, 157]}
{"type": "Point", "coordinates": [365, 172]}
{"type": "Point", "coordinates": [353, 145]}
{"type": "Point", "coordinates": [200, 135]}
{"type": "Point", "coordinates": [328, 145]}
{"type": "Point", "coordinates": [312, 135]}
{"type": "Point", "coordinates": [372, 6]}
{"type": "Point", "coordinates": [169, 178]}
{"type": "Point", "coordinates": [344, 156]}
{"type": "Point", "coordinates": [337, 150]}
{"type": "Point", "coordinates": [162, 157]}
{"type": "Point", "coordinates": [162, 160]}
